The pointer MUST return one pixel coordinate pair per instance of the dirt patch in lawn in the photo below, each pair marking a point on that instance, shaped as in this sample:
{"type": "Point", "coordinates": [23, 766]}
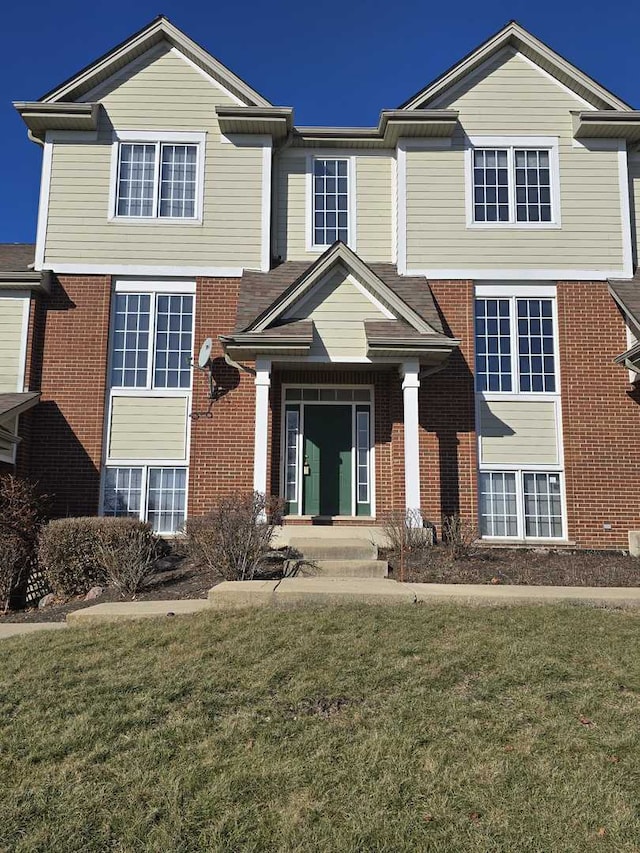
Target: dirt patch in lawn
{"type": "Point", "coordinates": [532, 567]}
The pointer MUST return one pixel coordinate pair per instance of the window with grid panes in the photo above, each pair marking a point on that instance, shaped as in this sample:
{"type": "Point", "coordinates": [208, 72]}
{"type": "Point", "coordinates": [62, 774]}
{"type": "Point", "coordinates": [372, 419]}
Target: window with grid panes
{"type": "Point", "coordinates": [153, 494]}
{"type": "Point", "coordinates": [512, 185]}
{"type": "Point", "coordinates": [526, 324]}
{"type": "Point", "coordinates": [152, 340]}
{"type": "Point", "coordinates": [330, 201]}
{"type": "Point", "coordinates": [157, 180]}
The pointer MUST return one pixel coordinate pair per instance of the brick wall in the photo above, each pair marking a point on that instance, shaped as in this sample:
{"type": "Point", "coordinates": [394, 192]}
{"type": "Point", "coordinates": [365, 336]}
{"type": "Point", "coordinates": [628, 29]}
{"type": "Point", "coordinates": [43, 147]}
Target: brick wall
{"type": "Point", "coordinates": [448, 447]}
{"type": "Point", "coordinates": [67, 362]}
{"type": "Point", "coordinates": [221, 459]}
{"type": "Point", "coordinates": [601, 418]}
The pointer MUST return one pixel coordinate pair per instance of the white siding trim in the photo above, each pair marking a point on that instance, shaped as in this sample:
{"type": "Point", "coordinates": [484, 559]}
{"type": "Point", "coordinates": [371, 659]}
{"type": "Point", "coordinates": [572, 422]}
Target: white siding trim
{"type": "Point", "coordinates": [261, 436]}
{"type": "Point", "coordinates": [625, 210]}
{"type": "Point", "coordinates": [119, 76]}
{"type": "Point", "coordinates": [208, 77]}
{"type": "Point", "coordinates": [401, 155]}
{"type": "Point", "coordinates": [146, 286]}
{"type": "Point", "coordinates": [267, 157]}
{"type": "Point", "coordinates": [368, 295]}
{"type": "Point", "coordinates": [135, 270]}
{"type": "Point", "coordinates": [394, 209]}
{"type": "Point", "coordinates": [553, 79]}
{"type": "Point", "coordinates": [519, 274]}
{"type": "Point", "coordinates": [24, 338]}
{"type": "Point", "coordinates": [43, 202]}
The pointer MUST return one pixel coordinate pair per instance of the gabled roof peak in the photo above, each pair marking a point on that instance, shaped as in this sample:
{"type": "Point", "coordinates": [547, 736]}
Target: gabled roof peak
{"type": "Point", "coordinates": [515, 35]}
{"type": "Point", "coordinates": [158, 30]}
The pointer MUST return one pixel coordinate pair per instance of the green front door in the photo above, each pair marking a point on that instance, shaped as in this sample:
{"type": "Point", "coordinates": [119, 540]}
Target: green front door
{"type": "Point", "coordinates": [328, 437]}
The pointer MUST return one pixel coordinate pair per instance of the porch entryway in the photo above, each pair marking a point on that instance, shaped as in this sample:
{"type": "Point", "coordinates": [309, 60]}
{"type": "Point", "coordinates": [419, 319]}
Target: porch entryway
{"type": "Point", "coordinates": [328, 452]}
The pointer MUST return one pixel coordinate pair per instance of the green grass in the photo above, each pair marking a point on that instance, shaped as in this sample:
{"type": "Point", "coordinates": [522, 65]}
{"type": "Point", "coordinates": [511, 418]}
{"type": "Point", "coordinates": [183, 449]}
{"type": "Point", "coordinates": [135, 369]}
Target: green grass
{"type": "Point", "coordinates": [444, 728]}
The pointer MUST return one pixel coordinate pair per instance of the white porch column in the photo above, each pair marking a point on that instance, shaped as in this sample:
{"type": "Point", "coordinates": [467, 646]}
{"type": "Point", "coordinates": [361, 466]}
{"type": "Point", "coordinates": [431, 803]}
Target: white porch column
{"type": "Point", "coordinates": [410, 384]}
{"type": "Point", "coordinates": [260, 451]}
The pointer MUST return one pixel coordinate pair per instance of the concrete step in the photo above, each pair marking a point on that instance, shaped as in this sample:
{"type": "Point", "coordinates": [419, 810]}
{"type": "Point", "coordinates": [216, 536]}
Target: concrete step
{"type": "Point", "coordinates": [294, 591]}
{"type": "Point", "coordinates": [347, 569]}
{"type": "Point", "coordinates": [122, 611]}
{"type": "Point", "coordinates": [335, 549]}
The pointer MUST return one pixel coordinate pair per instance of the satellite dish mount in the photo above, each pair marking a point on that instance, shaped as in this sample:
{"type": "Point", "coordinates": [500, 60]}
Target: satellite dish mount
{"type": "Point", "coordinates": [205, 364]}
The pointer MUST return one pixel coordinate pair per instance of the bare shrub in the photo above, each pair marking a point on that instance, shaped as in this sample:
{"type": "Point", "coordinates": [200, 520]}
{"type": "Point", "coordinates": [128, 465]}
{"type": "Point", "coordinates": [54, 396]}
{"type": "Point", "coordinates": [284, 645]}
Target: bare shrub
{"type": "Point", "coordinates": [458, 537]}
{"type": "Point", "coordinates": [130, 559]}
{"type": "Point", "coordinates": [72, 551]}
{"type": "Point", "coordinates": [22, 512]}
{"type": "Point", "coordinates": [233, 539]}
{"type": "Point", "coordinates": [405, 531]}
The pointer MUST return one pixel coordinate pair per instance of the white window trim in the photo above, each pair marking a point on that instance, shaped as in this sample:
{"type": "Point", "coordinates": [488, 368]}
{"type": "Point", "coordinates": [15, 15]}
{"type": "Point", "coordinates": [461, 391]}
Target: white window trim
{"type": "Point", "coordinates": [548, 143]}
{"type": "Point", "coordinates": [157, 137]}
{"type": "Point", "coordinates": [519, 471]}
{"type": "Point", "coordinates": [311, 246]}
{"type": "Point", "coordinates": [152, 289]}
{"type": "Point", "coordinates": [513, 294]}
{"type": "Point", "coordinates": [144, 495]}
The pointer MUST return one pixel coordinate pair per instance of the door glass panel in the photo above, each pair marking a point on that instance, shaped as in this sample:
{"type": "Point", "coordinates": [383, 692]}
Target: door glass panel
{"type": "Point", "coordinates": [291, 455]}
{"type": "Point", "coordinates": [362, 455]}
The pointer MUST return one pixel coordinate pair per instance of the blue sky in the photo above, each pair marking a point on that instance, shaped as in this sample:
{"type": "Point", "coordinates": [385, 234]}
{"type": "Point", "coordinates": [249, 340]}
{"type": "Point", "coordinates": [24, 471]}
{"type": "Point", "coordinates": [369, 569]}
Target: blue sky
{"type": "Point", "coordinates": [335, 63]}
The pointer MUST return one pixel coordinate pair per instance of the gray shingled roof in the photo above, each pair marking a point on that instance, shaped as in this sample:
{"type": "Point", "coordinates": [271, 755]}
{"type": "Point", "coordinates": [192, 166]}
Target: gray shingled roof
{"type": "Point", "coordinates": [16, 257]}
{"type": "Point", "coordinates": [259, 290]}
{"type": "Point", "coordinates": [628, 293]}
{"type": "Point", "coordinates": [23, 400]}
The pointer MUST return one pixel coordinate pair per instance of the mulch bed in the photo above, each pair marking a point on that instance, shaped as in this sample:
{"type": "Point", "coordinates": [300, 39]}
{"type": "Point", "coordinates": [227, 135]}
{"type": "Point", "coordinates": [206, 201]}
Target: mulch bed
{"type": "Point", "coordinates": [178, 577]}
{"type": "Point", "coordinates": [532, 567]}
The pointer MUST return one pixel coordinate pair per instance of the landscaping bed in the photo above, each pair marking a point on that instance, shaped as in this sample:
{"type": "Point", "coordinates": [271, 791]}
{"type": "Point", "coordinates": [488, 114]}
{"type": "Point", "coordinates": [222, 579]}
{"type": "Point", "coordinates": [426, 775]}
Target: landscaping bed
{"type": "Point", "coordinates": [535, 567]}
{"type": "Point", "coordinates": [443, 728]}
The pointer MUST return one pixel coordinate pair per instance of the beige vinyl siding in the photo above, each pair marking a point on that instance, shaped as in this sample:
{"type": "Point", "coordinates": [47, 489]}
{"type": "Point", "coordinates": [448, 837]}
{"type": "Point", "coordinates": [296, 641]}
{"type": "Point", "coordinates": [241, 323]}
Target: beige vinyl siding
{"type": "Point", "coordinates": [338, 310]}
{"type": "Point", "coordinates": [12, 344]}
{"type": "Point", "coordinates": [374, 200]}
{"type": "Point", "coordinates": [148, 428]}
{"type": "Point", "coordinates": [634, 185]}
{"type": "Point", "coordinates": [514, 99]}
{"type": "Point", "coordinates": [167, 94]}
{"type": "Point", "coordinates": [518, 432]}
{"type": "Point", "coordinates": [7, 448]}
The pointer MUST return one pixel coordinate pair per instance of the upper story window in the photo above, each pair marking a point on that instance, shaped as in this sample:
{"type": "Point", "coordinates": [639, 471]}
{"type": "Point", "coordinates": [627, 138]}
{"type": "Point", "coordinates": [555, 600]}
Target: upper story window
{"type": "Point", "coordinates": [514, 184]}
{"type": "Point", "coordinates": [331, 201]}
{"type": "Point", "coordinates": [158, 179]}
{"type": "Point", "coordinates": [152, 340]}
{"type": "Point", "coordinates": [515, 345]}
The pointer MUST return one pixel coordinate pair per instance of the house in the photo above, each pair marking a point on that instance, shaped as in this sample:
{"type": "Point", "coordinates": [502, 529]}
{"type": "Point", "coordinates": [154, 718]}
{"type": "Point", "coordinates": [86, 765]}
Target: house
{"type": "Point", "coordinates": [436, 314]}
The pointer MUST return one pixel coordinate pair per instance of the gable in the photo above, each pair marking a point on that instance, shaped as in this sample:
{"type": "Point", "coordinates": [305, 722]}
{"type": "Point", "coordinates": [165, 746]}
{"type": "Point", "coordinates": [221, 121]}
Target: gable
{"type": "Point", "coordinates": [510, 95]}
{"type": "Point", "coordinates": [338, 308]}
{"type": "Point", "coordinates": [164, 90]}
{"type": "Point", "coordinates": [337, 298]}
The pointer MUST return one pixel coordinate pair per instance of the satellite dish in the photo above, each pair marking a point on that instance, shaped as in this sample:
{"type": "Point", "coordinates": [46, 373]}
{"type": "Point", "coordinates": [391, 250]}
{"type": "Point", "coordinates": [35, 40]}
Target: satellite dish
{"type": "Point", "coordinates": [205, 353]}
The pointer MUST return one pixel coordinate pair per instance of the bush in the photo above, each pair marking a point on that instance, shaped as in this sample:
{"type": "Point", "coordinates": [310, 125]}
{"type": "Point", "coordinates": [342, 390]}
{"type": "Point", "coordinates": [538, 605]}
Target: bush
{"type": "Point", "coordinates": [128, 561]}
{"type": "Point", "coordinates": [22, 511]}
{"type": "Point", "coordinates": [458, 537]}
{"type": "Point", "coordinates": [233, 539]}
{"type": "Point", "coordinates": [78, 553]}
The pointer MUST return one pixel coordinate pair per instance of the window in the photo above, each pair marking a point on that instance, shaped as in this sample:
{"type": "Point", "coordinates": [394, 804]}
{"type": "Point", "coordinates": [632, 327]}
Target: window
{"type": "Point", "coordinates": [520, 326]}
{"type": "Point", "coordinates": [521, 504]}
{"type": "Point", "coordinates": [291, 454]}
{"type": "Point", "coordinates": [362, 454]}
{"type": "Point", "coordinates": [498, 504]}
{"type": "Point", "coordinates": [330, 215]}
{"type": "Point", "coordinates": [152, 340]}
{"type": "Point", "coordinates": [158, 179]}
{"type": "Point", "coordinates": [156, 495]}
{"type": "Point", "coordinates": [513, 185]}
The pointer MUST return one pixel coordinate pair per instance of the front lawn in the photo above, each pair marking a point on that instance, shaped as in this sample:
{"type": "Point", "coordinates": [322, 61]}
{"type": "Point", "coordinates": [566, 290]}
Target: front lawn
{"type": "Point", "coordinates": [435, 728]}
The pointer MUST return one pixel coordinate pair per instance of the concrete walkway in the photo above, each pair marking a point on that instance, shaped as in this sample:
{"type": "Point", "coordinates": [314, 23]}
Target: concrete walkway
{"type": "Point", "coordinates": [16, 629]}
{"type": "Point", "coordinates": [122, 611]}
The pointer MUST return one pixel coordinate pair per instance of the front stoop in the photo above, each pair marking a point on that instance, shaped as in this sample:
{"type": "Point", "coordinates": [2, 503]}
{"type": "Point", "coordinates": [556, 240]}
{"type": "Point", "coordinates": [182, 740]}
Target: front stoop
{"type": "Point", "coordinates": [340, 557]}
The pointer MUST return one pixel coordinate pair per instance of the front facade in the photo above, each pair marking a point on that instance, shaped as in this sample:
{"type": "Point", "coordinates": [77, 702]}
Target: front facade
{"type": "Point", "coordinates": [437, 315]}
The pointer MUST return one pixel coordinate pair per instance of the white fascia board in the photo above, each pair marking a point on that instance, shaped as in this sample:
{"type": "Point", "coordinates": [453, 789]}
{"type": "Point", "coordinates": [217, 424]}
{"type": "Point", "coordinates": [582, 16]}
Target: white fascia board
{"type": "Point", "coordinates": [509, 288]}
{"type": "Point", "coordinates": [136, 270]}
{"type": "Point", "coordinates": [146, 286]}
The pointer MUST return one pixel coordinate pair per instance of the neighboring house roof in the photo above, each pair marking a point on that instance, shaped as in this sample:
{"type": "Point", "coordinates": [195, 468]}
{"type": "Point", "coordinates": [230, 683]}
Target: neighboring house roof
{"type": "Point", "coordinates": [158, 30]}
{"type": "Point", "coordinates": [16, 257]}
{"type": "Point", "coordinates": [515, 36]}
{"type": "Point", "coordinates": [12, 404]}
